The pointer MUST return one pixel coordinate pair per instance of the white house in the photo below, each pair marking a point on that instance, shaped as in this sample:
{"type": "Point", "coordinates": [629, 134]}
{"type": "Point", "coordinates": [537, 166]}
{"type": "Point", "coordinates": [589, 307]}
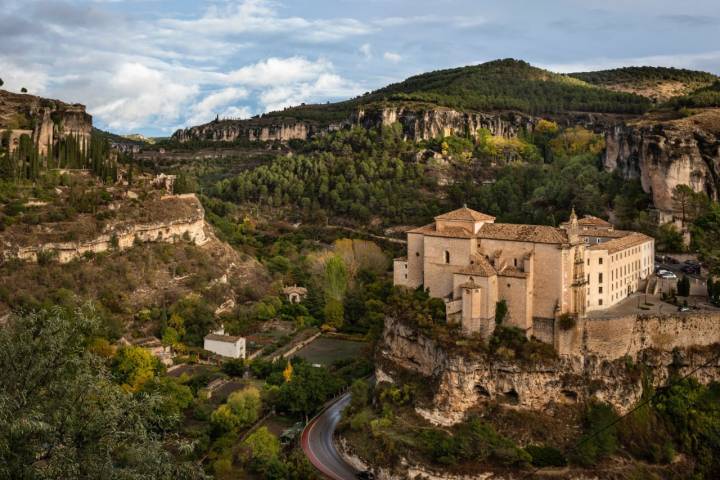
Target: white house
{"type": "Point", "coordinates": [224, 345]}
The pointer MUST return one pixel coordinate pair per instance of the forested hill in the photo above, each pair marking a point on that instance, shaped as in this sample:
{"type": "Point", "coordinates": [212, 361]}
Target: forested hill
{"type": "Point", "coordinates": [656, 83]}
{"type": "Point", "coordinates": [498, 85]}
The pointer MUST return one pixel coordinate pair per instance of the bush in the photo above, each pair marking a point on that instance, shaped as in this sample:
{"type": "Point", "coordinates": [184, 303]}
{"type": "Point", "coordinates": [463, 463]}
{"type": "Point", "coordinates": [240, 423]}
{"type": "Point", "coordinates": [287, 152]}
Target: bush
{"type": "Point", "coordinates": [566, 321]}
{"type": "Point", "coordinates": [546, 456]}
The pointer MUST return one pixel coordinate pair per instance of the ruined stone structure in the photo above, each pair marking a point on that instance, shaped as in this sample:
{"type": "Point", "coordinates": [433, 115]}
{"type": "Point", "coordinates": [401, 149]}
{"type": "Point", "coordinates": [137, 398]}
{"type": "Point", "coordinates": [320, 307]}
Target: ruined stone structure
{"type": "Point", "coordinates": [540, 272]}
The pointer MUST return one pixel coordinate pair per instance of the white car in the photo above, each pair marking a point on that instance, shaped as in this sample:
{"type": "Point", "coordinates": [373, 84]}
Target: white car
{"type": "Point", "coordinates": [668, 275]}
{"type": "Point", "coordinates": [661, 272]}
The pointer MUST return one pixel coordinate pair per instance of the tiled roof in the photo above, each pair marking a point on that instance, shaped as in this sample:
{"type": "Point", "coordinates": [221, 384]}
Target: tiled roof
{"type": "Point", "coordinates": [523, 233]}
{"type": "Point", "coordinates": [469, 284]}
{"type": "Point", "coordinates": [510, 271]}
{"type": "Point", "coordinates": [591, 221]}
{"type": "Point", "coordinates": [452, 232]}
{"type": "Point", "coordinates": [619, 244]}
{"type": "Point", "coordinates": [222, 338]}
{"type": "Point", "coordinates": [479, 266]}
{"type": "Point", "coordinates": [601, 232]}
{"type": "Point", "coordinates": [466, 214]}
{"type": "Point", "coordinates": [295, 289]}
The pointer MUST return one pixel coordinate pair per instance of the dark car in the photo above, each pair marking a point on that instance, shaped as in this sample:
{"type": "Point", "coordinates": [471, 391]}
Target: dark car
{"type": "Point", "coordinates": [691, 269]}
{"type": "Point", "coordinates": [366, 475]}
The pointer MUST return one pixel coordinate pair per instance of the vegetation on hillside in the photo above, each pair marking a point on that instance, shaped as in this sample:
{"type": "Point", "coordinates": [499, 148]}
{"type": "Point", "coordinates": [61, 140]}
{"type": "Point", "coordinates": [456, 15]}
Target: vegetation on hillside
{"type": "Point", "coordinates": [703, 97]}
{"type": "Point", "coordinates": [646, 75]}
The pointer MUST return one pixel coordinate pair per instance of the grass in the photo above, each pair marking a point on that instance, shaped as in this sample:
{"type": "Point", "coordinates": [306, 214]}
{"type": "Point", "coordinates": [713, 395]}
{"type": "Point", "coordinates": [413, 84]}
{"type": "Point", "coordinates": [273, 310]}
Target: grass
{"type": "Point", "coordinates": [325, 351]}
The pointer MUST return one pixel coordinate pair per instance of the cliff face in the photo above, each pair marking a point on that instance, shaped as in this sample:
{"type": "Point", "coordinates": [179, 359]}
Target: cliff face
{"type": "Point", "coordinates": [420, 123]}
{"type": "Point", "coordinates": [666, 154]}
{"type": "Point", "coordinates": [46, 121]}
{"type": "Point", "coordinates": [461, 382]}
{"type": "Point", "coordinates": [251, 130]}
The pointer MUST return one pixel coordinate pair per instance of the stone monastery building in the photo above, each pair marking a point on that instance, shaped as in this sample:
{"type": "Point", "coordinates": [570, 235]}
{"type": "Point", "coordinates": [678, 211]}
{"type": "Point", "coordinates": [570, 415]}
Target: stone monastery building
{"type": "Point", "coordinates": [541, 272]}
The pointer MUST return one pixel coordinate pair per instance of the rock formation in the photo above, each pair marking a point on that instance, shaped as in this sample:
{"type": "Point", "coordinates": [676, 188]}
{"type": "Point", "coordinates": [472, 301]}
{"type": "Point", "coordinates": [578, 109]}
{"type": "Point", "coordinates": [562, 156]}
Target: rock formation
{"type": "Point", "coordinates": [188, 224]}
{"type": "Point", "coordinates": [46, 121]}
{"type": "Point", "coordinates": [665, 154]}
{"type": "Point", "coordinates": [461, 381]}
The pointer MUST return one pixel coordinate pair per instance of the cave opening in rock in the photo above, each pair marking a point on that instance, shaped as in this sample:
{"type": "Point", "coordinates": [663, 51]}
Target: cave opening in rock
{"type": "Point", "coordinates": [511, 396]}
{"type": "Point", "coordinates": [570, 395]}
{"type": "Point", "coordinates": [482, 391]}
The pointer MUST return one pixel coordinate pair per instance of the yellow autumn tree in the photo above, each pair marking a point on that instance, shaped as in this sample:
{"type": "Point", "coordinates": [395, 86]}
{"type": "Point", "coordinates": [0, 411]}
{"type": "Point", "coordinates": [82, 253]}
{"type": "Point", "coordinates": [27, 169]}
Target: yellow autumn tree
{"type": "Point", "coordinates": [288, 372]}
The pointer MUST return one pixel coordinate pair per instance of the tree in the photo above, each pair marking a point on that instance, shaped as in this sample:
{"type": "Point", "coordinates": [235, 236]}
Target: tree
{"type": "Point", "coordinates": [133, 366]}
{"type": "Point", "coordinates": [241, 410]}
{"type": "Point", "coordinates": [682, 195]}
{"type": "Point", "coordinates": [63, 416]}
{"type": "Point", "coordinates": [1, 82]}
{"type": "Point", "coordinates": [683, 286]}
{"type": "Point", "coordinates": [335, 286]}
{"type": "Point", "coordinates": [263, 447]}
{"type": "Point", "coordinates": [23, 90]}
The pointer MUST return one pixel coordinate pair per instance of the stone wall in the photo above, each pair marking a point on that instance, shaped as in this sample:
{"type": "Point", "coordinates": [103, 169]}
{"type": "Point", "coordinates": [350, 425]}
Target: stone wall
{"type": "Point", "coordinates": [613, 338]}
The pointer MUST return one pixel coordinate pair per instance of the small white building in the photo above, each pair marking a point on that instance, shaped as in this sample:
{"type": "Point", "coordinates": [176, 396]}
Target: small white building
{"type": "Point", "coordinates": [295, 294]}
{"type": "Point", "coordinates": [224, 345]}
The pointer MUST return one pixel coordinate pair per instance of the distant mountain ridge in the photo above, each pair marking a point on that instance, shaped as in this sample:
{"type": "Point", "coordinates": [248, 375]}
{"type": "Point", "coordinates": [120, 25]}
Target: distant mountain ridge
{"type": "Point", "coordinates": [496, 86]}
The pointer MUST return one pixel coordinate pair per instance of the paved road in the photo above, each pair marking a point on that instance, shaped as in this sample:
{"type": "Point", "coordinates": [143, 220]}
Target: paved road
{"type": "Point", "coordinates": [317, 443]}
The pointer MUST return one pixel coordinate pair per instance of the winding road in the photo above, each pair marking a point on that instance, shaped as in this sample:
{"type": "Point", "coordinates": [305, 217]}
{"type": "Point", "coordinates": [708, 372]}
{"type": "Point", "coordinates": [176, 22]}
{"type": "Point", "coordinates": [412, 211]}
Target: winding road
{"type": "Point", "coordinates": [317, 442]}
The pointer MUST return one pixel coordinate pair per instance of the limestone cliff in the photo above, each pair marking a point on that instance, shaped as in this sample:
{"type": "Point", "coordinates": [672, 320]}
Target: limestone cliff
{"type": "Point", "coordinates": [418, 121]}
{"type": "Point", "coordinates": [254, 129]}
{"type": "Point", "coordinates": [665, 154]}
{"type": "Point", "coordinates": [461, 381]}
{"type": "Point", "coordinates": [46, 121]}
{"type": "Point", "coordinates": [423, 123]}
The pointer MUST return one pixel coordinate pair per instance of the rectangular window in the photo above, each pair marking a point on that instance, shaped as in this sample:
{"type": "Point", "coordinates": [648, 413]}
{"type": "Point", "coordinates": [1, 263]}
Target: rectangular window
{"type": "Point", "coordinates": [600, 290]}
{"type": "Point", "coordinates": [600, 302]}
{"type": "Point", "coordinates": [600, 277]}
{"type": "Point", "coordinates": [600, 260]}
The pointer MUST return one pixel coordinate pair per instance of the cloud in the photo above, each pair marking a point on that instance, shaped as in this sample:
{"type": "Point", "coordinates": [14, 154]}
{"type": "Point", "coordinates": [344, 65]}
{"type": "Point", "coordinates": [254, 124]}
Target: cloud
{"type": "Point", "coordinates": [685, 20]}
{"type": "Point", "coordinates": [260, 17]}
{"type": "Point", "coordinates": [366, 51]}
{"type": "Point", "coordinates": [140, 94]}
{"type": "Point", "coordinates": [682, 60]}
{"type": "Point", "coordinates": [392, 57]}
{"type": "Point", "coordinates": [216, 103]}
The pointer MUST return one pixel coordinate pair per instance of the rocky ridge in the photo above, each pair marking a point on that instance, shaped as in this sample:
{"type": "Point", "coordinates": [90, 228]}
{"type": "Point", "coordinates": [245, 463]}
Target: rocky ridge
{"type": "Point", "coordinates": [47, 121]}
{"type": "Point", "coordinates": [463, 381]}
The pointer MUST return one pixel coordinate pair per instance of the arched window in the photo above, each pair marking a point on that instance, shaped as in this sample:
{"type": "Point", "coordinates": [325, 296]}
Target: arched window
{"type": "Point", "coordinates": [447, 256]}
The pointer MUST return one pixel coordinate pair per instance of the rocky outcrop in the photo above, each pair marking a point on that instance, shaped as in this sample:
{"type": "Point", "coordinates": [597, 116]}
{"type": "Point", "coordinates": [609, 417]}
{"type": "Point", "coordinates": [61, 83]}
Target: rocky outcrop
{"type": "Point", "coordinates": [189, 227]}
{"type": "Point", "coordinates": [423, 123]}
{"type": "Point", "coordinates": [419, 122]}
{"type": "Point", "coordinates": [461, 381]}
{"type": "Point", "coordinates": [46, 121]}
{"type": "Point", "coordinates": [666, 154]}
{"type": "Point", "coordinates": [255, 129]}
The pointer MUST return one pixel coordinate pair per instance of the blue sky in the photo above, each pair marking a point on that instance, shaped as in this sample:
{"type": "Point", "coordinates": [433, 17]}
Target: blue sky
{"type": "Point", "coordinates": [154, 66]}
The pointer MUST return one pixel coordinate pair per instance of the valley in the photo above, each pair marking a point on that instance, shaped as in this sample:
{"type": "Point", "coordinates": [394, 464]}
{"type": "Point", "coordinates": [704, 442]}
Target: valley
{"type": "Point", "coordinates": [129, 268]}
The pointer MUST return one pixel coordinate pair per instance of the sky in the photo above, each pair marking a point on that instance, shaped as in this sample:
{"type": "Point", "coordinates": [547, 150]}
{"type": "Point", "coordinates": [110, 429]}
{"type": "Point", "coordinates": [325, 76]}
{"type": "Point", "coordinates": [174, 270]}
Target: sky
{"type": "Point", "coordinates": [153, 66]}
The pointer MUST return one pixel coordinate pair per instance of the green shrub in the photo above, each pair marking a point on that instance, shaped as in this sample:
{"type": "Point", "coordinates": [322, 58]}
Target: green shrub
{"type": "Point", "coordinates": [546, 456]}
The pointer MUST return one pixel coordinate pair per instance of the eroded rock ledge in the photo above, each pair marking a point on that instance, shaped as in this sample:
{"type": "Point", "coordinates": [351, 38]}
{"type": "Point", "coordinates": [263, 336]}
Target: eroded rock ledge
{"type": "Point", "coordinates": [461, 381]}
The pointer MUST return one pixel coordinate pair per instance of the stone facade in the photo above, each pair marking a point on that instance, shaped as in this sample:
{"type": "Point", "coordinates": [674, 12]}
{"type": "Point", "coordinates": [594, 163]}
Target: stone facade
{"type": "Point", "coordinates": [540, 272]}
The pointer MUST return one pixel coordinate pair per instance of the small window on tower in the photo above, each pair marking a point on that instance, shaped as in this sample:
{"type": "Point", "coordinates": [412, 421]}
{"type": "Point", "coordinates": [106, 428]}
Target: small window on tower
{"type": "Point", "coordinates": [447, 256]}
{"type": "Point", "coordinates": [601, 260]}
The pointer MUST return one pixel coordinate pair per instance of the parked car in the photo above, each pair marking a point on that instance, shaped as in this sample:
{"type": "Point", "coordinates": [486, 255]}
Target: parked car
{"type": "Point", "coordinates": [691, 268]}
{"type": "Point", "coordinates": [366, 475]}
{"type": "Point", "coordinates": [661, 272]}
{"type": "Point", "coordinates": [669, 275]}
{"type": "Point", "coordinates": [684, 309]}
